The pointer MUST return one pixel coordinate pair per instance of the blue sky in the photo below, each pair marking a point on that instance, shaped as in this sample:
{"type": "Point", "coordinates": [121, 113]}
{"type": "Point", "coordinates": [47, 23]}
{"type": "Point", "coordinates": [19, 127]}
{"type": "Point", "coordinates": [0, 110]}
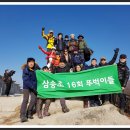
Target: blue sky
{"type": "Point", "coordinates": [104, 27]}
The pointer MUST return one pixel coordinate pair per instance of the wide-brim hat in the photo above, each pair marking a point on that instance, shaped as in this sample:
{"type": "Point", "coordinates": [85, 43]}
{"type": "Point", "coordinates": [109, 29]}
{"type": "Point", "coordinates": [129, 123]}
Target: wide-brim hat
{"type": "Point", "coordinates": [80, 36]}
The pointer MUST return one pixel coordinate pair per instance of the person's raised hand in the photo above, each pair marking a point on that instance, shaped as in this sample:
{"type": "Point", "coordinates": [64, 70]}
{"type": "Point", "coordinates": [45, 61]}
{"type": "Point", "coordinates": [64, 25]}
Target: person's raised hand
{"type": "Point", "coordinates": [40, 47]}
{"type": "Point", "coordinates": [116, 50]}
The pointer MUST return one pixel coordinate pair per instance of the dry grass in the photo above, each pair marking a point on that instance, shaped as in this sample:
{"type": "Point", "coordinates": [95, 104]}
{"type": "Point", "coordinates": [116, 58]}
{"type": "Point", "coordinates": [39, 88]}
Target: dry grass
{"type": "Point", "coordinates": [13, 118]}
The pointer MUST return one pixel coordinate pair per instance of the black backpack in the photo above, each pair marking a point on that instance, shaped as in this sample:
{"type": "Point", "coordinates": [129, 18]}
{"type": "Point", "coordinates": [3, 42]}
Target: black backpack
{"type": "Point", "coordinates": [87, 54]}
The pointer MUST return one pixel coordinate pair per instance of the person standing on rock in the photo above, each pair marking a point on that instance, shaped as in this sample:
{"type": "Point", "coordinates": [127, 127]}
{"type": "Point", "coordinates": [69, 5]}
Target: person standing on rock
{"type": "Point", "coordinates": [29, 89]}
{"type": "Point", "coordinates": [123, 72]}
{"type": "Point", "coordinates": [72, 44]}
{"type": "Point", "coordinates": [79, 68]}
{"type": "Point", "coordinates": [82, 45]}
{"type": "Point", "coordinates": [60, 44]}
{"type": "Point", "coordinates": [63, 67]}
{"type": "Point", "coordinates": [49, 38]}
{"type": "Point", "coordinates": [94, 100]}
{"type": "Point", "coordinates": [66, 40]}
{"type": "Point", "coordinates": [8, 80]}
{"type": "Point", "coordinates": [40, 102]}
{"type": "Point", "coordinates": [103, 62]}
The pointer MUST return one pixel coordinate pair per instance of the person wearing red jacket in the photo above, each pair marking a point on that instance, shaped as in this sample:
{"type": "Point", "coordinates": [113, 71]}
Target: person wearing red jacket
{"type": "Point", "coordinates": [51, 56]}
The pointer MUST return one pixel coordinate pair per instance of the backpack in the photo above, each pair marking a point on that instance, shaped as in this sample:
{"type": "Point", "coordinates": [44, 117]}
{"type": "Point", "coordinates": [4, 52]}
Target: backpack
{"type": "Point", "coordinates": [87, 54]}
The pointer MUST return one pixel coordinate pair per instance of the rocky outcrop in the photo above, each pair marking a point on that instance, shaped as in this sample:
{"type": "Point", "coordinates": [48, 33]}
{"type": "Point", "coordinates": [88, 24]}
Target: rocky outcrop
{"type": "Point", "coordinates": [103, 115]}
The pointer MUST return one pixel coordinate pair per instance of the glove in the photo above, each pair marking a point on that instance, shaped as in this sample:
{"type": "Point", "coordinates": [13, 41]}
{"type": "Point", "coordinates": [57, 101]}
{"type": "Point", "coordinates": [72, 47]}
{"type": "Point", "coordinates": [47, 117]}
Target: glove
{"type": "Point", "coordinates": [43, 28]}
{"type": "Point", "coordinates": [116, 50]}
{"type": "Point", "coordinates": [40, 47]}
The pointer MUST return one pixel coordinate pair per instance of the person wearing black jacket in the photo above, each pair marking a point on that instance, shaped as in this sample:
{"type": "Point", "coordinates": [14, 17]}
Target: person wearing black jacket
{"type": "Point", "coordinates": [103, 62]}
{"type": "Point", "coordinates": [8, 80]}
{"type": "Point", "coordinates": [94, 100]}
{"type": "Point", "coordinates": [60, 44]}
{"type": "Point", "coordinates": [67, 58]}
{"type": "Point", "coordinates": [63, 67]}
{"type": "Point", "coordinates": [123, 74]}
{"type": "Point", "coordinates": [66, 40]}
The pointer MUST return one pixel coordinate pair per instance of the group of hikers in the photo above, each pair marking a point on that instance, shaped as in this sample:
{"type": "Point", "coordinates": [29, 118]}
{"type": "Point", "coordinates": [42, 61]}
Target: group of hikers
{"type": "Point", "coordinates": [67, 54]}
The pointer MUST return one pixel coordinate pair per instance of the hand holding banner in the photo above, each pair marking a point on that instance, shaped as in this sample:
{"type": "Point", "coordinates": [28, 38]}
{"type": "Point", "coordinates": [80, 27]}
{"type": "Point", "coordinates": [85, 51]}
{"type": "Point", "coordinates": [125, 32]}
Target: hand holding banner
{"type": "Point", "coordinates": [98, 81]}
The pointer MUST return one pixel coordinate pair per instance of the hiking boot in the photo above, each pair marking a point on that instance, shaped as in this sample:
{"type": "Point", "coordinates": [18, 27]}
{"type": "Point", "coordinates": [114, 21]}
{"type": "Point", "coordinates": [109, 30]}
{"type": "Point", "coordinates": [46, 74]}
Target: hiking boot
{"type": "Point", "coordinates": [96, 105]}
{"type": "Point", "coordinates": [85, 104]}
{"type": "Point", "coordinates": [122, 112]}
{"type": "Point", "coordinates": [30, 116]}
{"type": "Point", "coordinates": [46, 114]}
{"type": "Point", "coordinates": [46, 108]}
{"type": "Point", "coordinates": [40, 115]}
{"type": "Point", "coordinates": [65, 109]}
{"type": "Point", "coordinates": [24, 119]}
{"type": "Point", "coordinates": [106, 102]}
{"type": "Point", "coordinates": [92, 105]}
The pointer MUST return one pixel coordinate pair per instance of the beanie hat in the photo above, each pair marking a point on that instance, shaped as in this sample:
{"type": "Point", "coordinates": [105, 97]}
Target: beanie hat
{"type": "Point", "coordinates": [66, 36]}
{"type": "Point", "coordinates": [94, 59]}
{"type": "Point", "coordinates": [30, 59]}
{"type": "Point", "coordinates": [123, 56]}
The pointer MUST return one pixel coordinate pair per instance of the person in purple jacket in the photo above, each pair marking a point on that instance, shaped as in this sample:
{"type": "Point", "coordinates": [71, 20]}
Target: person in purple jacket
{"type": "Point", "coordinates": [29, 89]}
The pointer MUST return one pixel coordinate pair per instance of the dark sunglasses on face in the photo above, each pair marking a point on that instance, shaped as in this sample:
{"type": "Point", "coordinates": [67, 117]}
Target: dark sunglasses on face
{"type": "Point", "coordinates": [103, 59]}
{"type": "Point", "coordinates": [122, 58]}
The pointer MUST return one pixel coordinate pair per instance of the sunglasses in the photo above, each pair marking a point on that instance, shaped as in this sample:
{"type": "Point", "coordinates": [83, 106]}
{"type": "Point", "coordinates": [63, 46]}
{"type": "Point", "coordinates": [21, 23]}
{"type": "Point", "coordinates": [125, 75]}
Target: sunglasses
{"type": "Point", "coordinates": [103, 59]}
{"type": "Point", "coordinates": [122, 58]}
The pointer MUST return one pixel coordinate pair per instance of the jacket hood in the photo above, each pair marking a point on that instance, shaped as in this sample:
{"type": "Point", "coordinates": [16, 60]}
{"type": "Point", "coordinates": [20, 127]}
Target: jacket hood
{"type": "Point", "coordinates": [25, 65]}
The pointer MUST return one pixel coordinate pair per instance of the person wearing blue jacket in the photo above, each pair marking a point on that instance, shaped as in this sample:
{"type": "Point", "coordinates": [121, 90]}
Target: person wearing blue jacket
{"type": "Point", "coordinates": [94, 100]}
{"type": "Point", "coordinates": [29, 89]}
{"type": "Point", "coordinates": [77, 59]}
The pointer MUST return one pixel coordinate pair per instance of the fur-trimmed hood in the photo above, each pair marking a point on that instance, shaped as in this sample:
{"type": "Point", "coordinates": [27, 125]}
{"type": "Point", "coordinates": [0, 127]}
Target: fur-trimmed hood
{"type": "Point", "coordinates": [25, 65]}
